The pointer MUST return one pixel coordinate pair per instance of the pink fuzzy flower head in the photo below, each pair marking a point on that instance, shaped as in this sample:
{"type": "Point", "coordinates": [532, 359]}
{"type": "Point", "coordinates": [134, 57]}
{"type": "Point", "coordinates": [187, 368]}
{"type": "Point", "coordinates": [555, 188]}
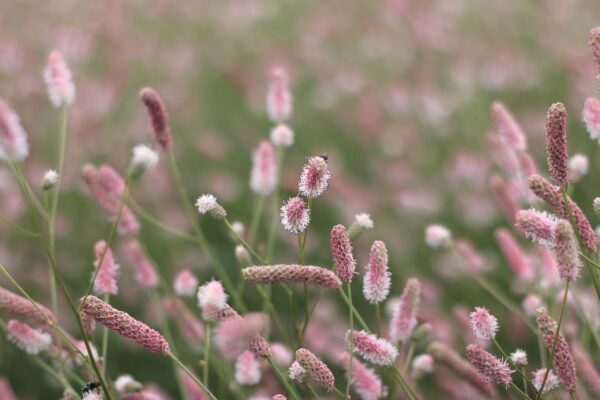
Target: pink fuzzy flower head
{"type": "Point", "coordinates": [594, 42]}
{"type": "Point", "coordinates": [30, 340]}
{"type": "Point", "coordinates": [232, 335]}
{"type": "Point", "coordinates": [13, 139]}
{"type": "Point", "coordinates": [437, 235]}
{"type": "Point", "coordinates": [282, 136]}
{"type": "Point", "coordinates": [422, 364]}
{"type": "Point", "coordinates": [208, 204]}
{"type": "Point", "coordinates": [314, 178]}
{"type": "Point", "coordinates": [540, 226]}
{"type": "Point", "coordinates": [537, 378]}
{"type": "Point", "coordinates": [492, 368]}
{"type": "Point", "coordinates": [508, 128]}
{"type": "Point", "coordinates": [279, 98]}
{"type": "Point", "coordinates": [514, 255]}
{"type": "Point", "coordinates": [556, 143]}
{"type": "Point", "coordinates": [297, 373]}
{"type": "Point", "coordinates": [263, 177]}
{"type": "Point", "coordinates": [211, 298]}
{"type": "Point", "coordinates": [279, 397]}
{"type": "Point", "coordinates": [591, 117]}
{"type": "Point", "coordinates": [531, 303]}
{"type": "Point", "coordinates": [295, 217]}
{"type": "Point", "coordinates": [106, 278]}
{"type": "Point", "coordinates": [247, 369]}
{"type": "Point", "coordinates": [6, 392]}
{"type": "Point", "coordinates": [587, 369]}
{"type": "Point", "coordinates": [22, 307]}
{"type": "Point", "coordinates": [191, 388]}
{"type": "Point", "coordinates": [315, 368]}
{"type": "Point", "coordinates": [362, 222]}
{"type": "Point", "coordinates": [519, 358]}
{"type": "Point", "coordinates": [185, 283]}
{"type": "Point", "coordinates": [158, 117]}
{"type": "Point", "coordinates": [567, 252]}
{"type": "Point", "coordinates": [341, 248]}
{"type": "Point", "coordinates": [377, 281]}
{"type": "Point", "coordinates": [59, 83]}
{"type": "Point", "coordinates": [373, 349]}
{"type": "Point", "coordinates": [483, 324]}
{"type": "Point", "coordinates": [291, 273]}
{"type": "Point", "coordinates": [145, 275]}
{"type": "Point", "coordinates": [367, 384]}
{"type": "Point", "coordinates": [404, 316]}
{"type": "Point", "coordinates": [123, 324]}
{"type": "Point", "coordinates": [259, 346]}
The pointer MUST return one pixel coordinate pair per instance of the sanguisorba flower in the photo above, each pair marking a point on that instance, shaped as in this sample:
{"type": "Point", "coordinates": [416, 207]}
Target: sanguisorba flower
{"type": "Point", "coordinates": [291, 273]}
{"type": "Point", "coordinates": [233, 334]}
{"type": "Point", "coordinates": [591, 117]}
{"type": "Point", "coordinates": [483, 324]}
{"type": "Point", "coordinates": [143, 158]}
{"type": "Point", "coordinates": [516, 258]}
{"type": "Point", "coordinates": [145, 274]}
{"type": "Point", "coordinates": [567, 253]}
{"type": "Point", "coordinates": [212, 299]}
{"type": "Point", "coordinates": [124, 324]}
{"type": "Point", "coordinates": [587, 370]}
{"type": "Point", "coordinates": [314, 178]}
{"type": "Point", "coordinates": [297, 373]}
{"type": "Point", "coordinates": [158, 117]}
{"type": "Point", "coordinates": [259, 346]}
{"type": "Point", "coordinates": [519, 358]}
{"type": "Point", "coordinates": [377, 280]}
{"type": "Point", "coordinates": [207, 204]}
{"type": "Point", "coordinates": [373, 349]}
{"type": "Point", "coordinates": [539, 226]}
{"type": "Point", "coordinates": [494, 369]}
{"type": "Point", "coordinates": [341, 249]}
{"type": "Point", "coordinates": [295, 217]}
{"type": "Point", "coordinates": [556, 143]}
{"type": "Point", "coordinates": [594, 42]}
{"type": "Point", "coordinates": [106, 277]}
{"type": "Point", "coordinates": [552, 381]}
{"type": "Point", "coordinates": [50, 179]}
{"type": "Point", "coordinates": [422, 364]}
{"type": "Point", "coordinates": [30, 340]}
{"type": "Point", "coordinates": [185, 283]}
{"type": "Point", "coordinates": [362, 222]}
{"type": "Point", "coordinates": [404, 316]}
{"type": "Point", "coordinates": [22, 307]}
{"type": "Point", "coordinates": [59, 82]}
{"type": "Point", "coordinates": [437, 235]}
{"type": "Point", "coordinates": [579, 165]}
{"type": "Point", "coordinates": [282, 136]}
{"type": "Point", "coordinates": [367, 384]}
{"type": "Point", "coordinates": [315, 368]}
{"type": "Point", "coordinates": [263, 177]}
{"type": "Point", "coordinates": [279, 98]}
{"type": "Point", "coordinates": [508, 128]}
{"type": "Point", "coordinates": [13, 139]}
{"type": "Point", "coordinates": [247, 369]}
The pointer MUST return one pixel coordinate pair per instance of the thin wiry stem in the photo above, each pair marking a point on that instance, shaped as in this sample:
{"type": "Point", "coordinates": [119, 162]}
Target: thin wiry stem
{"type": "Point", "coordinates": [351, 339]}
{"type": "Point", "coordinates": [191, 375]}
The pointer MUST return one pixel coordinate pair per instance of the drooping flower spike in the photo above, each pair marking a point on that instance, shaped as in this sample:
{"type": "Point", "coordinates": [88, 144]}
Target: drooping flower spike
{"type": "Point", "coordinates": [158, 117]}
{"type": "Point", "coordinates": [508, 128]}
{"type": "Point", "coordinates": [315, 368]}
{"type": "Point", "coordinates": [492, 368]}
{"type": "Point", "coordinates": [22, 307]}
{"type": "Point", "coordinates": [291, 273]}
{"type": "Point", "coordinates": [13, 138]}
{"type": "Point", "coordinates": [404, 316]}
{"type": "Point", "coordinates": [540, 226]}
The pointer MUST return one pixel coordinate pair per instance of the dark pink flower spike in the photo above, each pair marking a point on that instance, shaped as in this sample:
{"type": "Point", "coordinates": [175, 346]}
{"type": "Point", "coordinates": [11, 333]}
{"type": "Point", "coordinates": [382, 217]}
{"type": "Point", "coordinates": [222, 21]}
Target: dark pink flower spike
{"type": "Point", "coordinates": [315, 368]}
{"type": "Point", "coordinates": [494, 369]}
{"type": "Point", "coordinates": [291, 273]}
{"type": "Point", "coordinates": [157, 113]}
{"type": "Point", "coordinates": [594, 41]}
{"type": "Point", "coordinates": [556, 143]}
{"type": "Point", "coordinates": [341, 248]}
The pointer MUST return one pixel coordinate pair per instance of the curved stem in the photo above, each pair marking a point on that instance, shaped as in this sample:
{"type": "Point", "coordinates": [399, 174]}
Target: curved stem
{"type": "Point", "coordinates": [191, 375]}
{"type": "Point", "coordinates": [206, 353]}
{"type": "Point", "coordinates": [145, 215]}
{"type": "Point", "coordinates": [244, 243]}
{"type": "Point", "coordinates": [283, 379]}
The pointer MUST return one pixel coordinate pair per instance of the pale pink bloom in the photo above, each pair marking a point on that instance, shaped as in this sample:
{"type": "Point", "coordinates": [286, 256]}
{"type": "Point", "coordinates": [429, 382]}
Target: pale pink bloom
{"type": "Point", "coordinates": [316, 369]}
{"type": "Point", "coordinates": [145, 274]}
{"type": "Point", "coordinates": [143, 158]}
{"type": "Point", "coordinates": [211, 298]}
{"type": "Point", "coordinates": [282, 136]}
{"type": "Point", "coordinates": [473, 261]}
{"type": "Point", "coordinates": [508, 128]}
{"type": "Point", "coordinates": [483, 324]}
{"type": "Point", "coordinates": [587, 369]}
{"type": "Point", "coordinates": [292, 273]}
{"type": "Point", "coordinates": [30, 340]}
{"type": "Point", "coordinates": [247, 369]}
{"type": "Point", "coordinates": [567, 251]}
{"type": "Point", "coordinates": [519, 358]}
{"type": "Point", "coordinates": [263, 177]}
{"type": "Point", "coordinates": [187, 322]}
{"type": "Point", "coordinates": [232, 335]}
{"type": "Point", "coordinates": [422, 364]}
{"type": "Point", "coordinates": [505, 195]}
{"type": "Point", "coordinates": [341, 249]}
{"type": "Point", "coordinates": [367, 384]}
{"type": "Point", "coordinates": [295, 217]}
{"type": "Point", "coordinates": [191, 388]}
{"type": "Point", "coordinates": [125, 384]}
{"type": "Point", "coordinates": [437, 235]}
{"type": "Point", "coordinates": [13, 138]}
{"type": "Point", "coordinates": [185, 283]}
{"type": "Point", "coordinates": [281, 354]}
{"type": "Point", "coordinates": [373, 349]}
{"type": "Point", "coordinates": [59, 82]}
{"type": "Point", "coordinates": [404, 318]}
{"type": "Point", "coordinates": [279, 397]}
{"type": "Point", "coordinates": [123, 324]}
{"type": "Point", "coordinates": [531, 303]}
{"type": "Point", "coordinates": [492, 368]}
{"type": "Point", "coordinates": [6, 392]}
{"type": "Point", "coordinates": [591, 117]}
{"type": "Point", "coordinates": [578, 166]}
{"type": "Point", "coordinates": [242, 256]}
{"type": "Point", "coordinates": [556, 143]}
{"type": "Point", "coordinates": [314, 178]}
{"type": "Point", "coordinates": [552, 382]}
{"type": "Point", "coordinates": [297, 373]}
{"type": "Point", "coordinates": [158, 117]}
{"type": "Point", "coordinates": [92, 396]}
{"type": "Point", "coordinates": [503, 156]}
{"type": "Point", "coordinates": [106, 278]}
{"type": "Point", "coordinates": [514, 255]}
{"type": "Point", "coordinates": [539, 226]}
{"type": "Point", "coordinates": [22, 307]}
{"type": "Point", "coordinates": [279, 98]}
{"type": "Point", "coordinates": [207, 204]}
{"type": "Point", "coordinates": [377, 281]}
{"type": "Point", "coordinates": [594, 42]}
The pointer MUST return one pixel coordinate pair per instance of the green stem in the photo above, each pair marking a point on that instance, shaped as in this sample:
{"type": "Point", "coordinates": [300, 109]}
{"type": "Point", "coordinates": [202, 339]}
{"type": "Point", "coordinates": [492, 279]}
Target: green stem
{"type": "Point", "coordinates": [191, 375]}
{"type": "Point", "coordinates": [355, 312]}
{"type": "Point", "coordinates": [282, 378]}
{"type": "Point", "coordinates": [519, 391]}
{"type": "Point", "coordinates": [351, 339]}
{"type": "Point", "coordinates": [378, 318]}
{"type": "Point", "coordinates": [145, 215]}
{"type": "Point", "coordinates": [409, 355]}
{"type": "Point", "coordinates": [405, 387]}
{"type": "Point", "coordinates": [19, 229]}
{"type": "Point", "coordinates": [256, 214]}
{"type": "Point", "coordinates": [206, 353]}
{"type": "Point", "coordinates": [244, 243]}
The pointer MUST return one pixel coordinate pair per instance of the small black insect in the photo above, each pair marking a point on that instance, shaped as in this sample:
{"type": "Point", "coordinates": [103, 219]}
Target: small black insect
{"type": "Point", "coordinates": [89, 387]}
{"type": "Point", "coordinates": [324, 157]}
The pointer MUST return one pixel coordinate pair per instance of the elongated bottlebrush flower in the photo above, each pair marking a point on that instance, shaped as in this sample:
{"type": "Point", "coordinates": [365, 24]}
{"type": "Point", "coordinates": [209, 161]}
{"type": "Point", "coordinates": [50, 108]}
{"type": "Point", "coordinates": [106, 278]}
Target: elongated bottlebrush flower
{"type": "Point", "coordinates": [314, 177]}
{"type": "Point", "coordinates": [341, 248]}
{"type": "Point", "coordinates": [404, 317]}
{"type": "Point", "coordinates": [211, 299]}
{"type": "Point", "coordinates": [158, 117]}
{"type": "Point", "coordinates": [279, 98]}
{"type": "Point", "coordinates": [563, 361]}
{"type": "Point", "coordinates": [514, 255]}
{"type": "Point", "coordinates": [556, 143]}
{"type": "Point", "coordinates": [207, 204]}
{"type": "Point", "coordinates": [594, 42]}
{"type": "Point", "coordinates": [587, 370]}
{"type": "Point", "coordinates": [59, 82]}
{"type": "Point", "coordinates": [291, 273]}
{"type": "Point", "coordinates": [537, 378]}
{"type": "Point", "coordinates": [191, 389]}
{"type": "Point", "coordinates": [508, 128]}
{"type": "Point", "coordinates": [373, 349]}
{"type": "Point", "coordinates": [315, 368]}
{"type": "Point", "coordinates": [297, 373]}
{"type": "Point", "coordinates": [145, 274]}
{"type": "Point", "coordinates": [362, 222]}
{"type": "Point", "coordinates": [492, 368]}
{"type": "Point", "coordinates": [505, 195]}
{"type": "Point", "coordinates": [185, 283]}
{"type": "Point", "coordinates": [282, 136]}
{"type": "Point", "coordinates": [567, 257]}
{"type": "Point", "coordinates": [539, 226]}
{"type": "Point", "coordinates": [366, 383]}
{"type": "Point", "coordinates": [188, 324]}
{"type": "Point", "coordinates": [377, 281]}
{"type": "Point", "coordinates": [106, 277]}
{"type": "Point", "coordinates": [591, 117]}
{"type": "Point", "coordinates": [22, 307]}
{"type": "Point", "coordinates": [437, 235]}
{"type": "Point", "coordinates": [30, 340]}
{"type": "Point", "coordinates": [124, 324]}
{"type": "Point", "coordinates": [247, 369]}
{"type": "Point", "coordinates": [444, 355]}
{"type": "Point", "coordinates": [13, 139]}
{"type": "Point", "coordinates": [263, 177]}
{"type": "Point", "coordinates": [295, 217]}
{"type": "Point", "coordinates": [483, 324]}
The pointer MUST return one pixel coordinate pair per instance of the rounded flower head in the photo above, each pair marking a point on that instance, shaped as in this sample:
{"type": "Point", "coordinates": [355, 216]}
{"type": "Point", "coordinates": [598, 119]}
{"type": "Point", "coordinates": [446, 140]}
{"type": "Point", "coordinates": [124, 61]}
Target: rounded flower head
{"type": "Point", "coordinates": [591, 117]}
{"type": "Point", "coordinates": [296, 372]}
{"type": "Point", "coordinates": [263, 177]}
{"type": "Point", "coordinates": [32, 341]}
{"type": "Point", "coordinates": [365, 381]}
{"type": "Point", "coordinates": [315, 368]}
{"type": "Point", "coordinates": [279, 98]}
{"type": "Point", "coordinates": [531, 303]}
{"type": "Point", "coordinates": [295, 217]}
{"type": "Point", "coordinates": [211, 298]}
{"type": "Point", "coordinates": [341, 248]}
{"type": "Point", "coordinates": [377, 281]}
{"type": "Point", "coordinates": [13, 139]}
{"type": "Point", "coordinates": [556, 143]}
{"type": "Point", "coordinates": [106, 277]}
{"type": "Point", "coordinates": [483, 324]}
{"type": "Point", "coordinates": [314, 178]}
{"type": "Point", "coordinates": [158, 117]}
{"type": "Point", "coordinates": [247, 369]}
{"type": "Point", "coordinates": [519, 358]}
{"type": "Point", "coordinates": [282, 136]}
{"type": "Point", "coordinates": [143, 158]}
{"type": "Point", "coordinates": [422, 364]}
{"type": "Point", "coordinates": [185, 283]}
{"type": "Point", "coordinates": [59, 83]}
{"type": "Point", "coordinates": [362, 222]}
{"type": "Point", "coordinates": [373, 349]}
{"type": "Point", "coordinates": [578, 166]}
{"type": "Point", "coordinates": [207, 204]}
{"type": "Point", "coordinates": [126, 384]}
{"type": "Point", "coordinates": [539, 226]}
{"type": "Point", "coordinates": [404, 315]}
{"type": "Point", "coordinates": [50, 179]}
{"type": "Point", "coordinates": [552, 382]}
{"type": "Point", "coordinates": [437, 235]}
{"type": "Point", "coordinates": [567, 252]}
{"type": "Point", "coordinates": [492, 368]}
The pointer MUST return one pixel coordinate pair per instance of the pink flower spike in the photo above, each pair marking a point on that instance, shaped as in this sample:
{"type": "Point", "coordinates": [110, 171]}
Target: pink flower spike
{"type": "Point", "coordinates": [341, 248]}
{"type": "Point", "coordinates": [314, 178]}
{"type": "Point", "coordinates": [567, 252]}
{"type": "Point", "coordinates": [233, 335]}
{"type": "Point", "coordinates": [282, 136]}
{"type": "Point", "coordinates": [291, 273]}
{"type": "Point", "coordinates": [190, 387]}
{"type": "Point", "coordinates": [13, 139]}
{"type": "Point", "coordinates": [492, 368]}
{"type": "Point", "coordinates": [587, 369]}
{"type": "Point", "coordinates": [373, 349]}
{"type": "Point", "coordinates": [185, 283]}
{"type": "Point", "coordinates": [145, 275]}
{"type": "Point", "coordinates": [106, 278]}
{"type": "Point", "coordinates": [30, 340]}
{"type": "Point", "coordinates": [377, 280]}
{"type": "Point", "coordinates": [59, 83]}
{"type": "Point", "coordinates": [594, 42]}
{"type": "Point", "coordinates": [591, 117]}
{"type": "Point", "coordinates": [22, 307]}
{"type": "Point", "coordinates": [539, 226]}
{"type": "Point", "coordinates": [247, 369]}
{"type": "Point", "coordinates": [514, 255]}
{"type": "Point", "coordinates": [404, 317]}
{"type": "Point", "coordinates": [295, 217]}
{"type": "Point", "coordinates": [6, 392]}
{"type": "Point", "coordinates": [315, 368]}
{"type": "Point", "coordinates": [483, 324]}
{"type": "Point", "coordinates": [263, 177]}
{"type": "Point", "coordinates": [552, 382]}
{"type": "Point", "coordinates": [508, 128]}
{"type": "Point", "coordinates": [556, 143]}
{"type": "Point", "coordinates": [211, 298]}
{"type": "Point", "coordinates": [365, 381]}
{"type": "Point", "coordinates": [279, 98]}
{"type": "Point", "coordinates": [157, 113]}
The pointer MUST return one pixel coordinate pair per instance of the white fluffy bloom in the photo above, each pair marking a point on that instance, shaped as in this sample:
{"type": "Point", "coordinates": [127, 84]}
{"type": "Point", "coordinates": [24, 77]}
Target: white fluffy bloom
{"type": "Point", "coordinates": [207, 204]}
{"type": "Point", "coordinates": [144, 157]}
{"type": "Point", "coordinates": [185, 283]}
{"type": "Point", "coordinates": [578, 166]}
{"type": "Point", "coordinates": [50, 179]}
{"type": "Point", "coordinates": [363, 221]}
{"type": "Point", "coordinates": [518, 357]}
{"type": "Point", "coordinates": [437, 235]}
{"type": "Point", "coordinates": [296, 372]}
{"type": "Point", "coordinates": [282, 136]}
{"type": "Point", "coordinates": [125, 384]}
{"type": "Point", "coordinates": [30, 340]}
{"type": "Point", "coordinates": [552, 381]}
{"type": "Point", "coordinates": [247, 369]}
{"type": "Point", "coordinates": [238, 227]}
{"type": "Point", "coordinates": [212, 297]}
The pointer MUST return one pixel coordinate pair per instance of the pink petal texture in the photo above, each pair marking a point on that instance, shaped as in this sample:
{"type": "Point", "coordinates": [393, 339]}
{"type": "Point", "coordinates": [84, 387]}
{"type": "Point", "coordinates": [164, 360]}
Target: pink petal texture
{"type": "Point", "coordinates": [291, 273]}
{"type": "Point", "coordinates": [314, 178]}
{"type": "Point", "coordinates": [263, 177]}
{"type": "Point", "coordinates": [567, 257]}
{"type": "Point", "coordinates": [159, 119]}
{"type": "Point", "coordinates": [341, 248]}
{"type": "Point", "coordinates": [377, 280]}
{"type": "Point", "coordinates": [295, 217]}
{"type": "Point", "coordinates": [516, 258]}
{"type": "Point", "coordinates": [483, 324]}
{"type": "Point", "coordinates": [373, 349]}
{"type": "Point", "coordinates": [22, 307]}
{"type": "Point", "coordinates": [232, 336]}
{"type": "Point", "coordinates": [556, 143]}
{"type": "Point", "coordinates": [279, 98]}
{"type": "Point", "coordinates": [508, 128]}
{"type": "Point", "coordinates": [492, 368]}
{"type": "Point", "coordinates": [591, 117]}
{"type": "Point", "coordinates": [315, 368]}
{"type": "Point", "coordinates": [59, 83]}
{"type": "Point", "coordinates": [145, 274]}
{"type": "Point", "coordinates": [404, 316]}
{"type": "Point", "coordinates": [364, 380]}
{"type": "Point", "coordinates": [587, 370]}
{"type": "Point", "coordinates": [13, 139]}
{"type": "Point", "coordinates": [32, 341]}
{"type": "Point", "coordinates": [107, 270]}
